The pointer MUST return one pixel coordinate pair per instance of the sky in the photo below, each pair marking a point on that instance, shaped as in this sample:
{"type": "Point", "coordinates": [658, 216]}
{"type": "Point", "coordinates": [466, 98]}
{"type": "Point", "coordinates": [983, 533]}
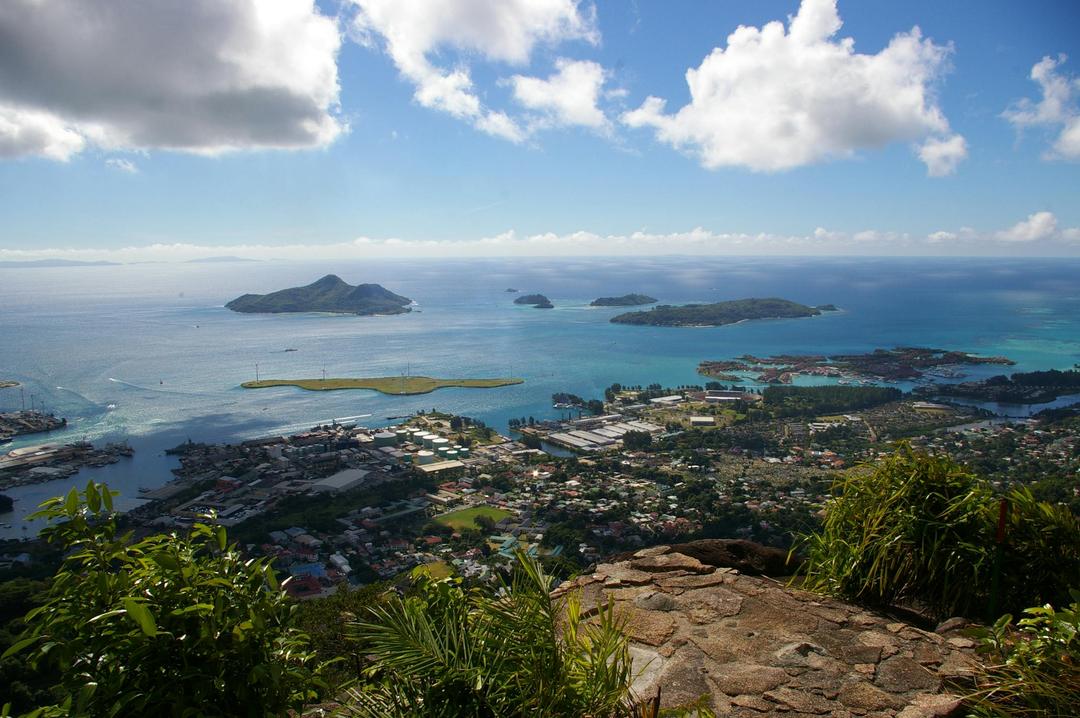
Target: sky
{"type": "Point", "coordinates": [295, 129]}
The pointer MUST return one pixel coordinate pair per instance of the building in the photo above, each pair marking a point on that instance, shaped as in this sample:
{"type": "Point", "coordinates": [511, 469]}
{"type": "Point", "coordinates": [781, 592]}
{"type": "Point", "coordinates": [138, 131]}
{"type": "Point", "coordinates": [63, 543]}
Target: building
{"type": "Point", "coordinates": [341, 481]}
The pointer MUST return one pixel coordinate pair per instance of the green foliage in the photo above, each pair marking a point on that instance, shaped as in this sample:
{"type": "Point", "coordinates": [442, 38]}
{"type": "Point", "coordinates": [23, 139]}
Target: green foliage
{"type": "Point", "coordinates": [919, 527]}
{"type": "Point", "coordinates": [447, 651]}
{"type": "Point", "coordinates": [167, 625]}
{"type": "Point", "coordinates": [636, 440]}
{"type": "Point", "coordinates": [325, 621]}
{"type": "Point", "coordinates": [1034, 669]}
{"type": "Point", "coordinates": [737, 310]}
{"type": "Point", "coordinates": [831, 399]}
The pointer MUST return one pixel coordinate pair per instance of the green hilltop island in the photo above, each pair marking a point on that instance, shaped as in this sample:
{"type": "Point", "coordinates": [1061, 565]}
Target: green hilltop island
{"type": "Point", "coordinates": [718, 314]}
{"type": "Point", "coordinates": [330, 294]}
{"type": "Point", "coordinates": [626, 300]}
{"type": "Point", "coordinates": [539, 301]}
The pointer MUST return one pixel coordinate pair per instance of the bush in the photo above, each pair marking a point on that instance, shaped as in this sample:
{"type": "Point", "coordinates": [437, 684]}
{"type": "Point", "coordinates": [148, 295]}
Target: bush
{"type": "Point", "coordinates": [447, 651]}
{"type": "Point", "coordinates": [168, 625]}
{"type": "Point", "coordinates": [1033, 670]}
{"type": "Point", "coordinates": [922, 528]}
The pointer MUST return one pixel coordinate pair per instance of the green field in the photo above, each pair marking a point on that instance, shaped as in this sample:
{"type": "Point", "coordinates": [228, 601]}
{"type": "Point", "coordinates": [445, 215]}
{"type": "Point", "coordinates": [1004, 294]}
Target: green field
{"type": "Point", "coordinates": [437, 570]}
{"type": "Point", "coordinates": [401, 385]}
{"type": "Point", "coordinates": [466, 518]}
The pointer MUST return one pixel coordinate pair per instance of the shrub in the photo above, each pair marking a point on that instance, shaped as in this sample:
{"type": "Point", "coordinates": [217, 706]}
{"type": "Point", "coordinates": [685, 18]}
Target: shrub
{"type": "Point", "coordinates": [1033, 670]}
{"type": "Point", "coordinates": [444, 650]}
{"type": "Point", "coordinates": [921, 528]}
{"type": "Point", "coordinates": [168, 625]}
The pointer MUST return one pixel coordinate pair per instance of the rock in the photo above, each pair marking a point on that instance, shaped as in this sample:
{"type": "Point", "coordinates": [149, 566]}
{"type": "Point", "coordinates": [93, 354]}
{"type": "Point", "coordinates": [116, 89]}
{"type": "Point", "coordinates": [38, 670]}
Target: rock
{"type": "Point", "coordinates": [899, 675]}
{"type": "Point", "coordinates": [742, 678]}
{"type": "Point", "coordinates": [801, 701]}
{"type": "Point", "coordinates": [932, 705]}
{"type": "Point", "coordinates": [652, 551]}
{"type": "Point", "coordinates": [863, 696]}
{"type": "Point", "coordinates": [655, 602]}
{"type": "Point", "coordinates": [796, 654]}
{"type": "Point", "coordinates": [746, 556]}
{"type": "Point", "coordinates": [748, 701]}
{"type": "Point", "coordinates": [952, 624]}
{"type": "Point", "coordinates": [710, 604]}
{"type": "Point", "coordinates": [670, 562]}
{"type": "Point", "coordinates": [649, 627]}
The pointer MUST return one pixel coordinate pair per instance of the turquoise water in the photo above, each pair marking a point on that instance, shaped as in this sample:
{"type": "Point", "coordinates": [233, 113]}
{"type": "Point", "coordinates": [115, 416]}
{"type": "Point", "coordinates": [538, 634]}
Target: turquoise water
{"type": "Point", "coordinates": [147, 352]}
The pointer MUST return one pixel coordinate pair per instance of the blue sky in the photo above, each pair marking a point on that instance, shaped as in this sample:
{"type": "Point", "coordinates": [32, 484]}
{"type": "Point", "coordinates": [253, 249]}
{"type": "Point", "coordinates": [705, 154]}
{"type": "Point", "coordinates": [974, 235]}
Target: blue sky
{"type": "Point", "coordinates": [372, 127]}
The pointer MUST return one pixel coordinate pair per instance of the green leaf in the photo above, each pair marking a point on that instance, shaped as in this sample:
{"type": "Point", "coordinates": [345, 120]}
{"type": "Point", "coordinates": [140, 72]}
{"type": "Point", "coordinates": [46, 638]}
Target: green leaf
{"type": "Point", "coordinates": [19, 646]}
{"type": "Point", "coordinates": [141, 615]}
{"type": "Point", "coordinates": [221, 537]}
{"type": "Point", "coordinates": [106, 497]}
{"type": "Point", "coordinates": [71, 503]}
{"type": "Point", "coordinates": [93, 498]}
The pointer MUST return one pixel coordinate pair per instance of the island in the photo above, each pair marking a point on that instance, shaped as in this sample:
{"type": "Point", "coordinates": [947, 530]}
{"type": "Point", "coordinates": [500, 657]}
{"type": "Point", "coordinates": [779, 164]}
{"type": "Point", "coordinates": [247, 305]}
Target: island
{"type": "Point", "coordinates": [398, 385]}
{"type": "Point", "coordinates": [827, 308]}
{"type": "Point", "coordinates": [511, 290]}
{"type": "Point", "coordinates": [7, 383]}
{"type": "Point", "coordinates": [626, 300]}
{"type": "Point", "coordinates": [1033, 387]}
{"type": "Point", "coordinates": [539, 301]}
{"type": "Point", "coordinates": [330, 294]}
{"type": "Point", "coordinates": [718, 314]}
{"type": "Point", "coordinates": [899, 364]}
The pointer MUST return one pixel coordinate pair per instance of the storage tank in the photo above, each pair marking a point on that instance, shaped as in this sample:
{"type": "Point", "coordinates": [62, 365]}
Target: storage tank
{"type": "Point", "coordinates": [440, 443]}
{"type": "Point", "coordinates": [428, 438]}
{"type": "Point", "coordinates": [451, 455]}
{"type": "Point", "coordinates": [442, 451]}
{"type": "Point", "coordinates": [402, 435]}
{"type": "Point", "coordinates": [425, 457]}
{"type": "Point", "coordinates": [463, 452]}
{"type": "Point", "coordinates": [386, 438]}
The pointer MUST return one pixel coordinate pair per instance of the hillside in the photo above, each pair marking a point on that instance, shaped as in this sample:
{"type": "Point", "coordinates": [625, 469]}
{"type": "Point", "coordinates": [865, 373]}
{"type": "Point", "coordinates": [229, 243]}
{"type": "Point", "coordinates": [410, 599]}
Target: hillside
{"type": "Point", "coordinates": [329, 294]}
{"type": "Point", "coordinates": [539, 301]}
{"type": "Point", "coordinates": [718, 314]}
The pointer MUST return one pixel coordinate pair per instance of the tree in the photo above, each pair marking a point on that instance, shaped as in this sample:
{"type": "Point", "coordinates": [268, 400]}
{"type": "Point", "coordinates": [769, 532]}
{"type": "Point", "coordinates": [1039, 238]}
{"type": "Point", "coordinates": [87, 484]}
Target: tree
{"type": "Point", "coordinates": [448, 651]}
{"type": "Point", "coordinates": [636, 440]}
{"type": "Point", "coordinates": [169, 625]}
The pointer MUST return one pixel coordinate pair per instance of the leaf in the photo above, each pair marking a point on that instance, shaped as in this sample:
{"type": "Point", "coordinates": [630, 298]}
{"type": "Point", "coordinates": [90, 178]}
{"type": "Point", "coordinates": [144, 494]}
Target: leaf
{"type": "Point", "coordinates": [19, 646]}
{"type": "Point", "coordinates": [106, 497]}
{"type": "Point", "coordinates": [93, 498]}
{"type": "Point", "coordinates": [141, 615]}
{"type": "Point", "coordinates": [71, 502]}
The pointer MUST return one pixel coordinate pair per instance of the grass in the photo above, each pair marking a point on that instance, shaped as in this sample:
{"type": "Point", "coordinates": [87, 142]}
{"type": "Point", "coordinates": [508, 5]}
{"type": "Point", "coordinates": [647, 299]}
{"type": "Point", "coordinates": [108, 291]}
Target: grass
{"type": "Point", "coordinates": [436, 570]}
{"type": "Point", "coordinates": [466, 518]}
{"type": "Point", "coordinates": [400, 385]}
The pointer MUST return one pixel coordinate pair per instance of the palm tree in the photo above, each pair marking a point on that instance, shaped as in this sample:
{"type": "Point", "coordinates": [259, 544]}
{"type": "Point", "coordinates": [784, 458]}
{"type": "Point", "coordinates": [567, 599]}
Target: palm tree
{"type": "Point", "coordinates": [447, 651]}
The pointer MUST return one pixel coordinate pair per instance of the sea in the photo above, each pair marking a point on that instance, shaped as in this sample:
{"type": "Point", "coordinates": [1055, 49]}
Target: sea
{"type": "Point", "coordinates": [147, 353]}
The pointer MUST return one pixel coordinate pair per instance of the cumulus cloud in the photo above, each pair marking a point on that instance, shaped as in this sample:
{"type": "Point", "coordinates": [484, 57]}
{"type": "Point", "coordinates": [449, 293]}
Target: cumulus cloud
{"type": "Point", "coordinates": [775, 99]}
{"type": "Point", "coordinates": [568, 97]}
{"type": "Point", "coordinates": [1058, 109]}
{"type": "Point", "coordinates": [941, 155]}
{"type": "Point", "coordinates": [413, 31]}
{"type": "Point", "coordinates": [122, 165]}
{"type": "Point", "coordinates": [1040, 225]}
{"type": "Point", "coordinates": [204, 76]}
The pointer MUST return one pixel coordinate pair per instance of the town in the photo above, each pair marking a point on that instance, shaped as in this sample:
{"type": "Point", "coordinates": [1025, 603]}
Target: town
{"type": "Point", "coordinates": [343, 503]}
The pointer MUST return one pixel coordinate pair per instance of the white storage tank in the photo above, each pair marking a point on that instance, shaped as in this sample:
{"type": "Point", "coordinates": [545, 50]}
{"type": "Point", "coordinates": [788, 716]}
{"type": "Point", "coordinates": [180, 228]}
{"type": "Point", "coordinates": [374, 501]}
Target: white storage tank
{"type": "Point", "coordinates": [425, 457]}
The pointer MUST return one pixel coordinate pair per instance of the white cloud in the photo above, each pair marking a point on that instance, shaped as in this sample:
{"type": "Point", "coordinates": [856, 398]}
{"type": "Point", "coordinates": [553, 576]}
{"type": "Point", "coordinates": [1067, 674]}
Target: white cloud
{"type": "Point", "coordinates": [941, 155]}
{"type": "Point", "coordinates": [568, 97]}
{"type": "Point", "coordinates": [207, 76]}
{"type": "Point", "coordinates": [496, 30]}
{"type": "Point", "coordinates": [774, 100]}
{"type": "Point", "coordinates": [1040, 225]}
{"type": "Point", "coordinates": [1057, 108]}
{"type": "Point", "coordinates": [122, 165]}
{"type": "Point", "coordinates": [29, 132]}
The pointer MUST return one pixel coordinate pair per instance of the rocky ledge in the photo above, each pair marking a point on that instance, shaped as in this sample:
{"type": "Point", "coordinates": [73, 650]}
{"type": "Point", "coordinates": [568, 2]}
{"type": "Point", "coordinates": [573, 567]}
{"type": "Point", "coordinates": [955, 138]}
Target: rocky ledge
{"type": "Point", "coordinates": [759, 648]}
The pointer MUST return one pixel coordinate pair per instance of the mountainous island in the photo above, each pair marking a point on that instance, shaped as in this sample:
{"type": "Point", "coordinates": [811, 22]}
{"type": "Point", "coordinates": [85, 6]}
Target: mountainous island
{"type": "Point", "coordinates": [718, 314]}
{"type": "Point", "coordinates": [539, 301]}
{"type": "Point", "coordinates": [626, 300]}
{"type": "Point", "coordinates": [329, 294]}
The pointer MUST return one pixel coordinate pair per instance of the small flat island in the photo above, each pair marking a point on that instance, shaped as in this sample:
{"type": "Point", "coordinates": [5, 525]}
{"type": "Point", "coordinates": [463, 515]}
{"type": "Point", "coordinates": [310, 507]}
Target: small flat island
{"type": "Point", "coordinates": [399, 385]}
{"type": "Point", "coordinates": [7, 383]}
{"type": "Point", "coordinates": [331, 294]}
{"type": "Point", "coordinates": [718, 314]}
{"type": "Point", "coordinates": [539, 301]}
{"type": "Point", "coordinates": [626, 300]}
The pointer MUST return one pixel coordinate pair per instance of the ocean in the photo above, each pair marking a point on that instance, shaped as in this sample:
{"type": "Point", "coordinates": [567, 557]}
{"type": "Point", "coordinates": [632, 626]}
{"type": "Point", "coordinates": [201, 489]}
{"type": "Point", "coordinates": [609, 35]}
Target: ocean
{"type": "Point", "coordinates": [148, 354]}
